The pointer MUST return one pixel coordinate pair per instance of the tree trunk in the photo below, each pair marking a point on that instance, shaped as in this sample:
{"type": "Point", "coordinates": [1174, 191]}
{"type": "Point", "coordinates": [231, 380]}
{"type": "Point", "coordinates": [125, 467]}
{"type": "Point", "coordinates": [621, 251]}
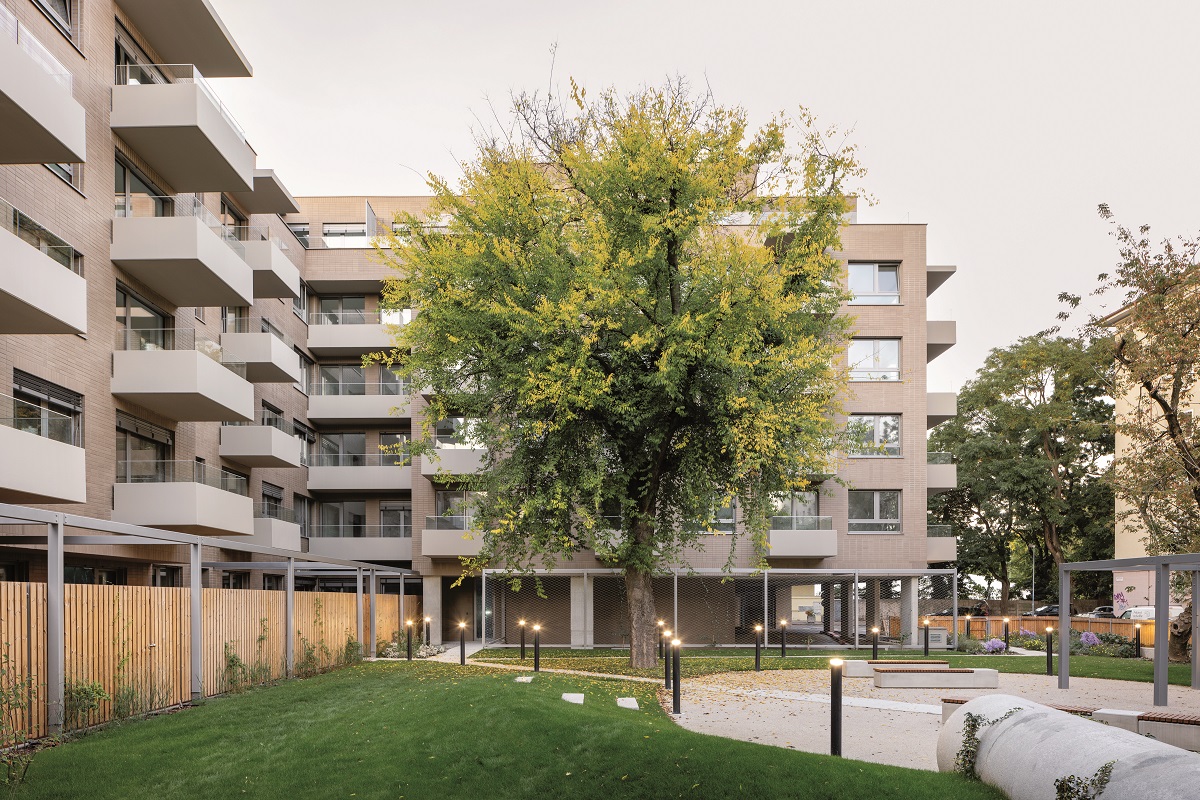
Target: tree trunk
{"type": "Point", "coordinates": [643, 628]}
{"type": "Point", "coordinates": [1181, 632]}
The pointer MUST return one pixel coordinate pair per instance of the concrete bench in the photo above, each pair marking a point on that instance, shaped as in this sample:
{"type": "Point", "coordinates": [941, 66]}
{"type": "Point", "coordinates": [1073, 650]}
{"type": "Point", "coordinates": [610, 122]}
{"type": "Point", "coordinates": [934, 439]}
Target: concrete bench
{"type": "Point", "coordinates": [857, 668]}
{"type": "Point", "coordinates": [951, 704]}
{"type": "Point", "coordinates": [1180, 730]}
{"type": "Point", "coordinates": [889, 678]}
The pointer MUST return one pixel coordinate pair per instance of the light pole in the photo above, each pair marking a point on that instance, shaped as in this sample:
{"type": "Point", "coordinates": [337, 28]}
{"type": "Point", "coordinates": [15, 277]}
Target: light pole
{"type": "Point", "coordinates": [537, 648]}
{"type": "Point", "coordinates": [462, 644]}
{"type": "Point", "coordinates": [666, 665]}
{"type": "Point", "coordinates": [927, 637]}
{"type": "Point", "coordinates": [835, 706]}
{"type": "Point", "coordinates": [758, 648]}
{"type": "Point", "coordinates": [1006, 634]}
{"type": "Point", "coordinates": [783, 638]}
{"type": "Point", "coordinates": [1137, 640]}
{"type": "Point", "coordinates": [661, 637]}
{"type": "Point", "coordinates": [675, 643]}
{"type": "Point", "coordinates": [1049, 650]}
{"type": "Point", "coordinates": [521, 625]}
{"type": "Point", "coordinates": [427, 621]}
{"type": "Point", "coordinates": [408, 624]}
{"type": "Point", "coordinates": [968, 624]}
{"type": "Point", "coordinates": [874, 644]}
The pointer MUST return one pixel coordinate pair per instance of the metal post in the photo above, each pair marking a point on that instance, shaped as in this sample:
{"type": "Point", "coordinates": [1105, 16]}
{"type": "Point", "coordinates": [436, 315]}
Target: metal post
{"type": "Point", "coordinates": [1006, 634]}
{"type": "Point", "coordinates": [372, 648]}
{"type": "Point", "coordinates": [854, 618]}
{"type": "Point", "coordinates": [927, 638]}
{"type": "Point", "coordinates": [55, 626]}
{"type": "Point", "coordinates": [1137, 640]}
{"type": "Point", "coordinates": [874, 644]}
{"type": "Point", "coordinates": [537, 648]}
{"type": "Point", "coordinates": [1032, 580]}
{"type": "Point", "coordinates": [359, 609]}
{"type": "Point", "coordinates": [783, 638]}
{"type": "Point", "coordinates": [675, 594]}
{"type": "Point", "coordinates": [1064, 628]}
{"type": "Point", "coordinates": [403, 610]}
{"type": "Point", "coordinates": [1162, 631]}
{"type": "Point", "coordinates": [408, 627]}
{"type": "Point", "coordinates": [835, 706]}
{"type": "Point", "coordinates": [462, 644]}
{"type": "Point", "coordinates": [1195, 635]}
{"type": "Point", "coordinates": [661, 639]}
{"type": "Point", "coordinates": [954, 608]}
{"type": "Point", "coordinates": [197, 595]}
{"type": "Point", "coordinates": [675, 645]}
{"type": "Point", "coordinates": [766, 602]}
{"type": "Point", "coordinates": [290, 618]}
{"type": "Point", "coordinates": [521, 625]}
{"type": "Point", "coordinates": [1050, 650]}
{"type": "Point", "coordinates": [758, 629]}
{"type": "Point", "coordinates": [483, 608]}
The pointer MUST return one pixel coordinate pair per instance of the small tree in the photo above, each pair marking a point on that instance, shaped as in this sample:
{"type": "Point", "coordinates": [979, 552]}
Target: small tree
{"type": "Point", "coordinates": [1157, 351]}
{"type": "Point", "coordinates": [630, 327]}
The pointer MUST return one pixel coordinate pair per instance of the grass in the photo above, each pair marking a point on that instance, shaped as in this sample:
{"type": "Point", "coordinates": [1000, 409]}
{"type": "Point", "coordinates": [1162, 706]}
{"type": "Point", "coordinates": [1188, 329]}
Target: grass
{"type": "Point", "coordinates": [707, 661]}
{"type": "Point", "coordinates": [399, 730]}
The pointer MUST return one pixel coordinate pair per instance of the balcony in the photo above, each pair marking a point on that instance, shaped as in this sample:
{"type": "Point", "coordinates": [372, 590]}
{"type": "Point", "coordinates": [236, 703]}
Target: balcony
{"type": "Point", "coordinates": [353, 472]}
{"type": "Point", "coordinates": [940, 544]}
{"type": "Point", "coordinates": [269, 195]}
{"type": "Point", "coordinates": [269, 357]}
{"type": "Point", "coordinates": [179, 249]}
{"type": "Point", "coordinates": [343, 271]}
{"type": "Point", "coordinates": [802, 537]}
{"type": "Point", "coordinates": [450, 537]}
{"type": "Point", "coordinates": [261, 446]}
{"type": "Point", "coordinates": [942, 473]}
{"type": "Point", "coordinates": [184, 496]}
{"type": "Point", "coordinates": [349, 333]}
{"type": "Point", "coordinates": [274, 273]}
{"type": "Point", "coordinates": [40, 120]}
{"type": "Point", "coordinates": [40, 290]}
{"type": "Point", "coordinates": [936, 276]}
{"type": "Point", "coordinates": [349, 403]}
{"type": "Point", "coordinates": [363, 542]}
{"type": "Point", "coordinates": [42, 462]}
{"type": "Point", "coordinates": [942, 334]}
{"type": "Point", "coordinates": [275, 526]}
{"type": "Point", "coordinates": [172, 118]}
{"type": "Point", "coordinates": [188, 32]}
{"type": "Point", "coordinates": [939, 407]}
{"type": "Point", "coordinates": [453, 458]}
{"type": "Point", "coordinates": [181, 376]}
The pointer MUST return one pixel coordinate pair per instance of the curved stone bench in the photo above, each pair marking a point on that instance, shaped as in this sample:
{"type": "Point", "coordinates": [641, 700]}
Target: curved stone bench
{"type": "Point", "coordinates": [951, 704]}
{"type": "Point", "coordinates": [858, 668]}
{"type": "Point", "coordinates": [1024, 754]}
{"type": "Point", "coordinates": [898, 678]}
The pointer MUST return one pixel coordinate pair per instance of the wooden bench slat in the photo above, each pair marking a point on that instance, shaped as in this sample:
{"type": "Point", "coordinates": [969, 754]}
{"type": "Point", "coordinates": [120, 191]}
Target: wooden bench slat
{"type": "Point", "coordinates": [923, 671]}
{"type": "Point", "coordinates": [1162, 716]}
{"type": "Point", "coordinates": [898, 661]}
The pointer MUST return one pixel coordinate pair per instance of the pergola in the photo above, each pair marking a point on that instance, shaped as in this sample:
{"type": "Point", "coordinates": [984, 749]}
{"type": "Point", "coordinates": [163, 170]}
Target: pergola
{"type": "Point", "coordinates": [1162, 566]}
{"type": "Point", "coordinates": [103, 532]}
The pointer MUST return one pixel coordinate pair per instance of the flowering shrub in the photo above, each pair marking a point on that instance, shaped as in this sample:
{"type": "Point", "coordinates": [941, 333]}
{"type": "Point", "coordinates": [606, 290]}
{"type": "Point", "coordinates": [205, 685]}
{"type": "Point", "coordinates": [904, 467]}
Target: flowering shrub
{"type": "Point", "coordinates": [429, 651]}
{"type": "Point", "coordinates": [994, 646]}
{"type": "Point", "coordinates": [1027, 634]}
{"type": "Point", "coordinates": [1089, 639]}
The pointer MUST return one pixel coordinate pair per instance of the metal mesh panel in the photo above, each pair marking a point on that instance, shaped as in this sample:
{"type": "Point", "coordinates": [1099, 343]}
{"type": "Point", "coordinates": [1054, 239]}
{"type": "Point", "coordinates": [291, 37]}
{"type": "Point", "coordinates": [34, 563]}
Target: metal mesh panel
{"type": "Point", "coordinates": [504, 609]}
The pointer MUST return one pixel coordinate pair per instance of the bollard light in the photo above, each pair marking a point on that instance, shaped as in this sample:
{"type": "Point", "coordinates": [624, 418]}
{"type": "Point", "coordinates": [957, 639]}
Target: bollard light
{"type": "Point", "coordinates": [667, 665]}
{"type": "Point", "coordinates": [1049, 650]}
{"type": "Point", "coordinates": [927, 638]}
{"type": "Point", "coordinates": [675, 674]}
{"type": "Point", "coordinates": [968, 625]}
{"type": "Point", "coordinates": [783, 638]}
{"type": "Point", "coordinates": [521, 625]}
{"type": "Point", "coordinates": [1137, 640]}
{"type": "Point", "coordinates": [537, 648]}
{"type": "Point", "coordinates": [1006, 634]}
{"type": "Point", "coordinates": [408, 624]}
{"type": "Point", "coordinates": [427, 621]}
{"type": "Point", "coordinates": [758, 629]}
{"type": "Point", "coordinates": [462, 644]}
{"type": "Point", "coordinates": [874, 644]}
{"type": "Point", "coordinates": [661, 637]}
{"type": "Point", "coordinates": [835, 706]}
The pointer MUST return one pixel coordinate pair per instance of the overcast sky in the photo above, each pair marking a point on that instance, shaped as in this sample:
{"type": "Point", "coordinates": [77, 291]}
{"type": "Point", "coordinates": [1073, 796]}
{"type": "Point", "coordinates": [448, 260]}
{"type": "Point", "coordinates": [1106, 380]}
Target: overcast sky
{"type": "Point", "coordinates": [1000, 125]}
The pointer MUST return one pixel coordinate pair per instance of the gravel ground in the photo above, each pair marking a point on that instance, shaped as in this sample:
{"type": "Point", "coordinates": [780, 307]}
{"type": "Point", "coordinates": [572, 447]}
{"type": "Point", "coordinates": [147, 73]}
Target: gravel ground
{"type": "Point", "coordinates": [755, 707]}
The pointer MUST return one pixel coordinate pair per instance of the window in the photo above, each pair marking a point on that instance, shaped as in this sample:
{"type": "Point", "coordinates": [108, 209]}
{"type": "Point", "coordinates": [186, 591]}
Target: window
{"type": "Point", "coordinates": [71, 172]}
{"type": "Point", "coordinates": [232, 219]}
{"type": "Point", "coordinates": [272, 501]}
{"type": "Point", "coordinates": [235, 319]}
{"type": "Point", "coordinates": [143, 451]}
{"type": "Point", "coordinates": [874, 359]}
{"type": "Point", "coordinates": [272, 417]}
{"type": "Point", "coordinates": [342, 450]}
{"type": "Point", "coordinates": [347, 518]}
{"type": "Point", "coordinates": [345, 234]}
{"type": "Point", "coordinates": [307, 437]}
{"type": "Point", "coordinates": [273, 582]}
{"type": "Point", "coordinates": [59, 12]}
{"type": "Point", "coordinates": [797, 504]}
{"type": "Point", "coordinates": [166, 576]}
{"type": "Point", "coordinates": [395, 316]}
{"type": "Point", "coordinates": [14, 571]}
{"type": "Point", "coordinates": [306, 370]}
{"type": "Point", "coordinates": [394, 447]}
{"type": "Point", "coordinates": [453, 507]}
{"type": "Point", "coordinates": [104, 576]}
{"type": "Point", "coordinates": [303, 508]}
{"type": "Point", "coordinates": [876, 434]}
{"type": "Point", "coordinates": [874, 512]}
{"type": "Point", "coordinates": [140, 326]}
{"type": "Point", "coordinates": [874, 284]}
{"type": "Point", "coordinates": [235, 580]}
{"type": "Point", "coordinates": [395, 519]}
{"type": "Point", "coordinates": [724, 519]}
{"type": "Point", "coordinates": [390, 383]}
{"type": "Point", "coordinates": [133, 66]}
{"type": "Point", "coordinates": [452, 434]}
{"type": "Point", "coordinates": [46, 409]}
{"type": "Point", "coordinates": [135, 196]}
{"type": "Point", "coordinates": [342, 310]}
{"type": "Point", "coordinates": [300, 303]}
{"type": "Point", "coordinates": [342, 379]}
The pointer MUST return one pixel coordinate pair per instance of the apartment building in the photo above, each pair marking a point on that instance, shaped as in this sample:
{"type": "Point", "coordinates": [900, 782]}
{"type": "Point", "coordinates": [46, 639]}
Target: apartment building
{"type": "Point", "coordinates": [186, 353]}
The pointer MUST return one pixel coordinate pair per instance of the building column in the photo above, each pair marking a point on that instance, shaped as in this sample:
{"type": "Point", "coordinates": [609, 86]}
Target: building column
{"type": "Point", "coordinates": [827, 607]}
{"type": "Point", "coordinates": [55, 627]}
{"type": "Point", "coordinates": [432, 602]}
{"type": "Point", "coordinates": [582, 628]}
{"type": "Point", "coordinates": [909, 624]}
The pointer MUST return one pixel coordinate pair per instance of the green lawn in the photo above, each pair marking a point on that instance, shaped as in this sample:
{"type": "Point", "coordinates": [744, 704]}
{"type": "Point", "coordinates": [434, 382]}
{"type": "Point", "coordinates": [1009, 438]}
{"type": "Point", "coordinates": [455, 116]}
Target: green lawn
{"type": "Point", "coordinates": [704, 661]}
{"type": "Point", "coordinates": [393, 730]}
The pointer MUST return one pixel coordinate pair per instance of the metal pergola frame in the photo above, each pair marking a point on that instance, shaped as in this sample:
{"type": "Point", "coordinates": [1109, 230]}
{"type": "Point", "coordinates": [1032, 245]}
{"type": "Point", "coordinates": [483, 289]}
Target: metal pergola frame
{"type": "Point", "coordinates": [1161, 566]}
{"type": "Point", "coordinates": [56, 538]}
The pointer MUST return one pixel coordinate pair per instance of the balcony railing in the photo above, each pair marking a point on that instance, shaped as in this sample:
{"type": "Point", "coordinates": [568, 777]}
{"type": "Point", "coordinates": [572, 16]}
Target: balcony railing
{"type": "Point", "coordinates": [359, 388]}
{"type": "Point", "coordinates": [254, 325]}
{"type": "Point", "coordinates": [939, 531]}
{"type": "Point", "coordinates": [451, 441]}
{"type": "Point", "coordinates": [142, 74]}
{"type": "Point", "coordinates": [882, 374]}
{"type": "Point", "coordinates": [802, 523]}
{"type": "Point", "coordinates": [23, 416]}
{"type": "Point", "coordinates": [24, 228]}
{"type": "Point", "coordinates": [137, 471]}
{"type": "Point", "coordinates": [939, 458]}
{"type": "Point", "coordinates": [359, 460]}
{"type": "Point", "coordinates": [397, 530]}
{"type": "Point", "coordinates": [448, 523]}
{"type": "Point", "coordinates": [34, 49]}
{"type": "Point", "coordinates": [274, 511]}
{"type": "Point", "coordinates": [354, 318]}
{"type": "Point", "coordinates": [257, 233]}
{"type": "Point", "coordinates": [174, 339]}
{"type": "Point", "coordinates": [180, 205]}
{"type": "Point", "coordinates": [279, 423]}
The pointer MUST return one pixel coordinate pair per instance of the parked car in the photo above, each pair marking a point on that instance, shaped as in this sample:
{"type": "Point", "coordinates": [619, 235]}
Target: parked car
{"type": "Point", "coordinates": [1047, 611]}
{"type": "Point", "coordinates": [963, 611]}
{"type": "Point", "coordinates": [1101, 612]}
{"type": "Point", "coordinates": [1147, 612]}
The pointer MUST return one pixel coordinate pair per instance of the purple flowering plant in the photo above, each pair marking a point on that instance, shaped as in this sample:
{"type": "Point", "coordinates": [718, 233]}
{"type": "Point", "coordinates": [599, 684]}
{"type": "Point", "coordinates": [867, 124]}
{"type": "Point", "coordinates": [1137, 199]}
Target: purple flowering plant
{"type": "Point", "coordinates": [994, 646]}
{"type": "Point", "coordinates": [1089, 639]}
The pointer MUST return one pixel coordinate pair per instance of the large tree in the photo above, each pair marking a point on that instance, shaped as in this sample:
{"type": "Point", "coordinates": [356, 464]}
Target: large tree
{"type": "Point", "coordinates": [629, 323]}
{"type": "Point", "coordinates": [1033, 440]}
{"type": "Point", "coordinates": [1157, 351]}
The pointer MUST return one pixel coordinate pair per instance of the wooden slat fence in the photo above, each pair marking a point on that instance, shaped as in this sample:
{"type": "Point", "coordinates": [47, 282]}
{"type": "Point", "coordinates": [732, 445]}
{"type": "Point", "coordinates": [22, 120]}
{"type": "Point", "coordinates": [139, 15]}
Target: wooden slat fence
{"type": "Point", "coordinates": [389, 627]}
{"type": "Point", "coordinates": [325, 621]}
{"type": "Point", "coordinates": [244, 638]}
{"type": "Point", "coordinates": [23, 653]}
{"type": "Point", "coordinates": [993, 627]}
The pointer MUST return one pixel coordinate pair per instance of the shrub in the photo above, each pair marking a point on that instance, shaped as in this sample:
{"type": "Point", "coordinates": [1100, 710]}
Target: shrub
{"type": "Point", "coordinates": [80, 699]}
{"type": "Point", "coordinates": [994, 646]}
{"type": "Point", "coordinates": [1089, 639]}
{"type": "Point", "coordinates": [970, 645]}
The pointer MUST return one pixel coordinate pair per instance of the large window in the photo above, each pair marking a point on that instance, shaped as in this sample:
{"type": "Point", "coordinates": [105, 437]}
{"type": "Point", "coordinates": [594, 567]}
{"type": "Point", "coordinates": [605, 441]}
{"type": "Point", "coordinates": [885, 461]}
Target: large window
{"type": "Point", "coordinates": [390, 383]}
{"type": "Point", "coordinates": [300, 231]}
{"type": "Point", "coordinates": [347, 518]}
{"type": "Point", "coordinates": [876, 434]}
{"type": "Point", "coordinates": [454, 509]}
{"type": "Point", "coordinates": [143, 450]}
{"type": "Point", "coordinates": [874, 359]}
{"type": "Point", "coordinates": [46, 409]}
{"type": "Point", "coordinates": [874, 512]}
{"type": "Point", "coordinates": [452, 434]}
{"type": "Point", "coordinates": [307, 437]}
{"type": "Point", "coordinates": [300, 302]}
{"type": "Point", "coordinates": [135, 196]}
{"type": "Point", "coordinates": [394, 447]}
{"type": "Point", "coordinates": [345, 234]}
{"type": "Point", "coordinates": [395, 519]}
{"type": "Point", "coordinates": [302, 506]}
{"type": "Point", "coordinates": [342, 379]}
{"type": "Point", "coordinates": [272, 417]}
{"type": "Point", "coordinates": [166, 576]}
{"type": "Point", "coordinates": [348, 310]}
{"type": "Point", "coordinates": [874, 284]}
{"type": "Point", "coordinates": [342, 450]}
{"type": "Point", "coordinates": [60, 13]}
{"type": "Point", "coordinates": [307, 365]}
{"type": "Point", "coordinates": [140, 326]}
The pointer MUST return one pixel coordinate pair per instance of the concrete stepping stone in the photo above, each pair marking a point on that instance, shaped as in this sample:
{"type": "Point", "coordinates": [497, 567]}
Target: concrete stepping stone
{"type": "Point", "coordinates": [524, 679]}
{"type": "Point", "coordinates": [573, 697]}
{"type": "Point", "coordinates": [628, 702]}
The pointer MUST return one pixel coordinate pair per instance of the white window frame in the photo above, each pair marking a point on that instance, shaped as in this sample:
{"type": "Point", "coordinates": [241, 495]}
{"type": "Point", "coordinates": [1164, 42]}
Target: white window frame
{"type": "Point", "coordinates": [875, 297]}
{"type": "Point", "coordinates": [877, 519]}
{"type": "Point", "coordinates": [876, 423]}
{"type": "Point", "coordinates": [873, 372]}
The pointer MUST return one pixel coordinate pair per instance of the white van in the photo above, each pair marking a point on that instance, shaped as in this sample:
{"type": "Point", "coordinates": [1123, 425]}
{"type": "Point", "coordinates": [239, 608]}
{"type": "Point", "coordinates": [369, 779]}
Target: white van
{"type": "Point", "coordinates": [1147, 612]}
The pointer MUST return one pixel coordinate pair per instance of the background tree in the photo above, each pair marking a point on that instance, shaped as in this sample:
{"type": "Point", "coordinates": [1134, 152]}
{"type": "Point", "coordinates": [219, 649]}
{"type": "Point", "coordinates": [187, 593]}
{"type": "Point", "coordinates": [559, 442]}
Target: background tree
{"type": "Point", "coordinates": [1156, 349]}
{"type": "Point", "coordinates": [1033, 440]}
{"type": "Point", "coordinates": [619, 348]}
